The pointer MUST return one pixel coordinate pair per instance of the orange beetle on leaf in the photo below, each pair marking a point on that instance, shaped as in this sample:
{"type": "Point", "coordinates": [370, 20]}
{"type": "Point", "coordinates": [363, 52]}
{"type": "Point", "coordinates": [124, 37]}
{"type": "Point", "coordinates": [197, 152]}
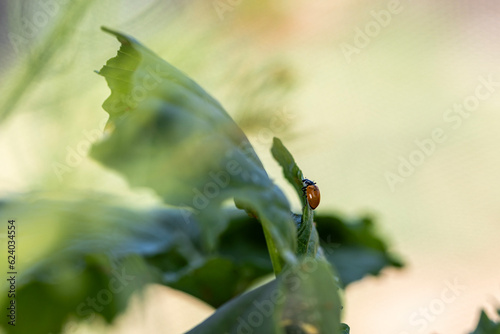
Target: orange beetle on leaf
{"type": "Point", "coordinates": [311, 191]}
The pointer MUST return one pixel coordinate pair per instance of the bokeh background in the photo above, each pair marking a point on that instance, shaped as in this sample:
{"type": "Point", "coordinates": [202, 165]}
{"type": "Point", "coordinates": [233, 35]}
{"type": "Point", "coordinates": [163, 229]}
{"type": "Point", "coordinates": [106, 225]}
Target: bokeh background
{"type": "Point", "coordinates": [349, 100]}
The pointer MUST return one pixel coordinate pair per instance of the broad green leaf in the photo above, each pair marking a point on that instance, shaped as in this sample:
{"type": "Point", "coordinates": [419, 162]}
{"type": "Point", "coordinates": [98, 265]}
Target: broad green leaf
{"type": "Point", "coordinates": [302, 299]}
{"type": "Point", "coordinates": [486, 325]}
{"type": "Point", "coordinates": [354, 247]}
{"type": "Point", "coordinates": [168, 134]}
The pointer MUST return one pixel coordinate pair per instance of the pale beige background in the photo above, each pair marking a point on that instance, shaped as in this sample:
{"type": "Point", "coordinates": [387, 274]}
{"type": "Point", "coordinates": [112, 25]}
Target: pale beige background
{"type": "Point", "coordinates": [350, 123]}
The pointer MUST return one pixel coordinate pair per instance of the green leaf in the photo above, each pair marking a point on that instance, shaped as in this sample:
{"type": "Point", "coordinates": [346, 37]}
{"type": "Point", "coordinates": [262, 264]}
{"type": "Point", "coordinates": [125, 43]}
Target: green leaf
{"type": "Point", "coordinates": [349, 251]}
{"type": "Point", "coordinates": [92, 241]}
{"type": "Point", "coordinates": [73, 260]}
{"type": "Point", "coordinates": [487, 326]}
{"type": "Point", "coordinates": [307, 236]}
{"type": "Point", "coordinates": [240, 258]}
{"type": "Point", "coordinates": [168, 134]}
{"type": "Point", "coordinates": [303, 298]}
{"type": "Point", "coordinates": [261, 303]}
{"type": "Point", "coordinates": [291, 170]}
{"type": "Point", "coordinates": [354, 247]}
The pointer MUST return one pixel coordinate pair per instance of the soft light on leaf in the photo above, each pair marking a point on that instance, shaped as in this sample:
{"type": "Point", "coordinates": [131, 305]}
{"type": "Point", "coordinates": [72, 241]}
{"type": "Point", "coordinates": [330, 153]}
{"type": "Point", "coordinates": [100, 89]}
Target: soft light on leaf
{"type": "Point", "coordinates": [303, 297]}
{"type": "Point", "coordinates": [170, 135]}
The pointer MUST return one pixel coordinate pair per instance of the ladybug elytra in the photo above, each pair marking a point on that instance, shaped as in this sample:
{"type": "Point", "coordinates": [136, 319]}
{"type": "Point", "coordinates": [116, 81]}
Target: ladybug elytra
{"type": "Point", "coordinates": [311, 191]}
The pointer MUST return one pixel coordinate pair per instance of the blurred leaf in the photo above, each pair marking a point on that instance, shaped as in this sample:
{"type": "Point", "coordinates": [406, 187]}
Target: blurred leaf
{"type": "Point", "coordinates": [240, 258]}
{"type": "Point", "coordinates": [355, 251]}
{"type": "Point", "coordinates": [168, 134]}
{"type": "Point", "coordinates": [354, 247]}
{"type": "Point", "coordinates": [43, 54]}
{"type": "Point", "coordinates": [487, 326]}
{"type": "Point", "coordinates": [100, 288]}
{"type": "Point", "coordinates": [303, 298]}
{"type": "Point", "coordinates": [261, 103]}
{"type": "Point", "coordinates": [98, 240]}
{"type": "Point", "coordinates": [291, 171]}
{"type": "Point", "coordinates": [234, 316]}
{"type": "Point", "coordinates": [244, 242]}
{"type": "Point", "coordinates": [82, 273]}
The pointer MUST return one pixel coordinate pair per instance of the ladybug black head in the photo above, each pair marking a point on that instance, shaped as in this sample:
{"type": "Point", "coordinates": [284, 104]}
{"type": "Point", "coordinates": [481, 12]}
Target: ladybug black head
{"type": "Point", "coordinates": [308, 182]}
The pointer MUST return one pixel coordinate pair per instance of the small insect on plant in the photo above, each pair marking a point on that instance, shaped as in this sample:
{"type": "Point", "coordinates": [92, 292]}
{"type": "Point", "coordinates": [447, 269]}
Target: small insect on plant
{"type": "Point", "coordinates": [311, 191]}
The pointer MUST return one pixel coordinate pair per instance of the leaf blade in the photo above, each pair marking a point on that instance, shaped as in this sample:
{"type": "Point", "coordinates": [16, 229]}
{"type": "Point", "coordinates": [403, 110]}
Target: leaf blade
{"type": "Point", "coordinates": [173, 137]}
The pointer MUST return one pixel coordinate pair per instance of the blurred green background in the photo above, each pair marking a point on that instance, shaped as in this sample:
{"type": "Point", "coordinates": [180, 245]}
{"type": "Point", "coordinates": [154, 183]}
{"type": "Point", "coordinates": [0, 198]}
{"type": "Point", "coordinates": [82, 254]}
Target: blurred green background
{"type": "Point", "coordinates": [280, 69]}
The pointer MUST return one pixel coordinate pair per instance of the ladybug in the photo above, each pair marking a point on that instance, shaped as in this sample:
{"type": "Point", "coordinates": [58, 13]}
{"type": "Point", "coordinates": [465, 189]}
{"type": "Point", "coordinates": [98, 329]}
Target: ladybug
{"type": "Point", "coordinates": [311, 191]}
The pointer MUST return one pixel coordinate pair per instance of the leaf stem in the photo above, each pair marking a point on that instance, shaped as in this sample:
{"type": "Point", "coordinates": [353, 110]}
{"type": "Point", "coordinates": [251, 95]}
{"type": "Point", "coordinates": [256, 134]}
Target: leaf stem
{"type": "Point", "coordinates": [273, 251]}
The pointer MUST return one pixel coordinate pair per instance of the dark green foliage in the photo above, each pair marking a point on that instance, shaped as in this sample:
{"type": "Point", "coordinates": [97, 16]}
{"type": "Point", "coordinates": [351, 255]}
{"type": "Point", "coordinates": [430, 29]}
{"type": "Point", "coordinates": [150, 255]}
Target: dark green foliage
{"type": "Point", "coordinates": [300, 297]}
{"type": "Point", "coordinates": [487, 326]}
{"type": "Point", "coordinates": [354, 247]}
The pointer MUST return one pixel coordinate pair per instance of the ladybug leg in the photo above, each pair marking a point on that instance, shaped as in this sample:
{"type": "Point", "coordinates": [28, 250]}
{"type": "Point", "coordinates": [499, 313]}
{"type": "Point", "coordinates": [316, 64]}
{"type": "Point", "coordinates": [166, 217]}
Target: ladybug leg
{"type": "Point", "coordinates": [304, 189]}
